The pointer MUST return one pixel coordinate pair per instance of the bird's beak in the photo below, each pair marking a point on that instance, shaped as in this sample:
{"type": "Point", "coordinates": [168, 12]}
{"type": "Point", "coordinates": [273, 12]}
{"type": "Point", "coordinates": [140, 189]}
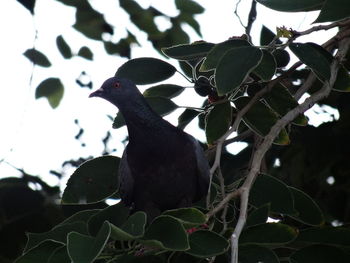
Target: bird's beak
{"type": "Point", "coordinates": [96, 93]}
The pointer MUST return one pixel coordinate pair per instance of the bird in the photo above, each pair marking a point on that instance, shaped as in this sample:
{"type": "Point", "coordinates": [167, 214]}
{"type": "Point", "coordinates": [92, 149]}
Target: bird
{"type": "Point", "coordinates": [162, 167]}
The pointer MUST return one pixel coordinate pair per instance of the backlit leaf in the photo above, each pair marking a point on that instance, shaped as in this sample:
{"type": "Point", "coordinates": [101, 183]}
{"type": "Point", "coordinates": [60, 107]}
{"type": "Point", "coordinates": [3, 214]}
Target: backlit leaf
{"type": "Point", "coordinates": [37, 58]}
{"type": "Point", "coordinates": [63, 47]}
{"type": "Point", "coordinates": [52, 89]}
{"type": "Point", "coordinates": [334, 10]}
{"type": "Point", "coordinates": [292, 5]}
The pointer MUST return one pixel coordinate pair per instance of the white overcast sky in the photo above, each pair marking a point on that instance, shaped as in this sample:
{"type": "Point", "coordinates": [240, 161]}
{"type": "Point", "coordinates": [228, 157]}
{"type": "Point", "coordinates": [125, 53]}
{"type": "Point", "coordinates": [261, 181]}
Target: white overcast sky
{"type": "Point", "coordinates": [38, 139]}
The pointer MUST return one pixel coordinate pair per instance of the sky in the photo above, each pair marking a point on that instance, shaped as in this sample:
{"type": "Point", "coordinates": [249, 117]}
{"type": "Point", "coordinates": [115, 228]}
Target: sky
{"type": "Point", "coordinates": [38, 139]}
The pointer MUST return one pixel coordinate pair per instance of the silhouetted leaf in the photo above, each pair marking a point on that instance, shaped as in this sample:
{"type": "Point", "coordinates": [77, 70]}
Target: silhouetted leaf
{"type": "Point", "coordinates": [186, 117]}
{"type": "Point", "coordinates": [196, 50]}
{"type": "Point", "coordinates": [93, 181]}
{"type": "Point", "coordinates": [339, 236]}
{"type": "Point", "coordinates": [258, 216]}
{"type": "Point", "coordinates": [308, 211]}
{"type": "Point", "coordinates": [37, 58]}
{"type": "Point", "coordinates": [334, 10]}
{"type": "Point", "coordinates": [205, 244]}
{"type": "Point", "coordinates": [218, 121]}
{"type": "Point", "coordinates": [52, 89]}
{"type": "Point", "coordinates": [342, 83]}
{"type": "Point", "coordinates": [235, 66]}
{"type": "Point", "coordinates": [292, 5]}
{"type": "Point", "coordinates": [63, 47]}
{"type": "Point", "coordinates": [164, 90]}
{"type": "Point", "coordinates": [267, 66]}
{"type": "Point", "coordinates": [267, 36]}
{"type": "Point", "coordinates": [146, 70]}
{"type": "Point", "coordinates": [268, 234]}
{"type": "Point", "coordinates": [282, 58]}
{"type": "Point", "coordinates": [161, 105]}
{"type": "Point", "coordinates": [255, 253]}
{"type": "Point", "coordinates": [320, 254]}
{"type": "Point", "coordinates": [29, 4]}
{"type": "Point", "coordinates": [189, 6]}
{"type": "Point", "coordinates": [86, 53]}
{"type": "Point", "coordinates": [83, 248]}
{"type": "Point", "coordinates": [118, 121]}
{"type": "Point", "coordinates": [269, 190]}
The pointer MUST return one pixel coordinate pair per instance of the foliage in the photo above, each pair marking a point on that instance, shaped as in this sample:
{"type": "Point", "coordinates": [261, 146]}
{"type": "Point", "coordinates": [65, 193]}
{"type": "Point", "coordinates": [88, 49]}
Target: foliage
{"type": "Point", "coordinates": [249, 90]}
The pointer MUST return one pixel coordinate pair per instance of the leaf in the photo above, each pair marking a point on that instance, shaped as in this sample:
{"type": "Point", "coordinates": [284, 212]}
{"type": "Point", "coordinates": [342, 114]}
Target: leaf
{"type": "Point", "coordinates": [167, 233]}
{"type": "Point", "coordinates": [269, 190]}
{"type": "Point", "coordinates": [86, 53]}
{"type": "Point", "coordinates": [164, 90]}
{"type": "Point", "coordinates": [189, 217]}
{"type": "Point", "coordinates": [205, 244]}
{"type": "Point", "coordinates": [333, 10]}
{"type": "Point", "coordinates": [218, 121]}
{"type": "Point", "coordinates": [260, 119]}
{"type": "Point", "coordinates": [194, 51]}
{"type": "Point", "coordinates": [132, 229]}
{"type": "Point", "coordinates": [218, 51]}
{"type": "Point", "coordinates": [315, 57]}
{"type": "Point", "coordinates": [118, 121]}
{"type": "Point", "coordinates": [308, 211]}
{"type": "Point", "coordinates": [320, 254]}
{"type": "Point", "coordinates": [115, 214]}
{"type": "Point", "coordinates": [162, 106]}
{"type": "Point", "coordinates": [234, 67]}
{"type": "Point", "coordinates": [292, 5]}
{"type": "Point", "coordinates": [258, 216]}
{"type": "Point", "coordinates": [338, 236]}
{"type": "Point", "coordinates": [83, 215]}
{"type": "Point", "coordinates": [86, 249]}
{"type": "Point", "coordinates": [282, 58]}
{"type": "Point", "coordinates": [37, 58]}
{"type": "Point", "coordinates": [93, 181]}
{"type": "Point", "coordinates": [57, 234]}
{"type": "Point", "coordinates": [186, 117]}
{"type": "Point", "coordinates": [146, 70]}
{"type": "Point", "coordinates": [60, 255]}
{"type": "Point", "coordinates": [63, 47]}
{"type": "Point", "coordinates": [189, 6]}
{"type": "Point", "coordinates": [255, 253]}
{"type": "Point", "coordinates": [267, 36]}
{"type": "Point", "coordinates": [342, 83]}
{"type": "Point", "coordinates": [52, 89]}
{"type": "Point", "coordinates": [281, 101]}
{"type": "Point", "coordinates": [268, 234]}
{"type": "Point", "coordinates": [28, 4]}
{"type": "Point", "coordinates": [267, 66]}
{"type": "Point", "coordinates": [40, 253]}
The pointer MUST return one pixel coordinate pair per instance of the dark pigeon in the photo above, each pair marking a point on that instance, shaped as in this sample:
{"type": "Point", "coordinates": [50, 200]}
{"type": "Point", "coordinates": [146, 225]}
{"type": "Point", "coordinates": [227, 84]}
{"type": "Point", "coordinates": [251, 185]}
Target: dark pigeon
{"type": "Point", "coordinates": [162, 167]}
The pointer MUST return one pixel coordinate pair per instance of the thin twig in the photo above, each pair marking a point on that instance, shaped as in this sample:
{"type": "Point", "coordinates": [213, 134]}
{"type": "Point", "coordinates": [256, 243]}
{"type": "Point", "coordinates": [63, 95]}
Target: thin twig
{"type": "Point", "coordinates": [267, 142]}
{"type": "Point", "coordinates": [251, 18]}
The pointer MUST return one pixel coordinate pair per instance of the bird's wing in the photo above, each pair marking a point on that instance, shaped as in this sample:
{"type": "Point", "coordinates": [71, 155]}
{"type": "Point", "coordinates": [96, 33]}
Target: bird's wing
{"type": "Point", "coordinates": [202, 167]}
{"type": "Point", "coordinates": [126, 181]}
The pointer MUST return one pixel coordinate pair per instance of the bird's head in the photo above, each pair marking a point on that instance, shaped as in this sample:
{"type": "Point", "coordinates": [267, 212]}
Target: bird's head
{"type": "Point", "coordinates": [116, 90]}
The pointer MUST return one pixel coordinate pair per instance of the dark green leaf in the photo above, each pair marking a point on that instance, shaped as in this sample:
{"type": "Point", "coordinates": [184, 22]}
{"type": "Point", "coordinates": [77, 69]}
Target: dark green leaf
{"type": "Point", "coordinates": [267, 36]}
{"type": "Point", "coordinates": [29, 4]}
{"type": "Point", "coordinates": [52, 89]}
{"type": "Point", "coordinates": [205, 244]}
{"type": "Point", "coordinates": [167, 233]}
{"type": "Point", "coordinates": [86, 53]}
{"type": "Point", "coordinates": [93, 181]}
{"type": "Point", "coordinates": [258, 216]}
{"type": "Point", "coordinates": [189, 6]}
{"type": "Point", "coordinates": [40, 253]}
{"type": "Point", "coordinates": [342, 83]}
{"type": "Point", "coordinates": [314, 56]}
{"type": "Point", "coordinates": [63, 47]}
{"type": "Point", "coordinates": [133, 228]}
{"type": "Point", "coordinates": [60, 255]}
{"type": "Point", "coordinates": [83, 216]}
{"type": "Point", "coordinates": [118, 121]}
{"type": "Point", "coordinates": [218, 121]}
{"type": "Point", "coordinates": [338, 236]}
{"type": "Point", "coordinates": [268, 234]}
{"type": "Point", "coordinates": [282, 58]}
{"type": "Point", "coordinates": [186, 117]}
{"type": "Point", "coordinates": [115, 214]}
{"type": "Point", "coordinates": [218, 51]}
{"type": "Point", "coordinates": [308, 211]}
{"type": "Point", "coordinates": [281, 101]}
{"type": "Point", "coordinates": [269, 190]}
{"type": "Point", "coordinates": [292, 5]}
{"type": "Point", "coordinates": [260, 119]}
{"type": "Point", "coordinates": [191, 21]}
{"type": "Point", "coordinates": [235, 66]}
{"type": "Point", "coordinates": [196, 50]}
{"type": "Point", "coordinates": [37, 58]}
{"type": "Point", "coordinates": [189, 217]}
{"type": "Point", "coordinates": [146, 70]}
{"type": "Point", "coordinates": [267, 66]}
{"type": "Point", "coordinates": [57, 234]}
{"type": "Point", "coordinates": [162, 106]}
{"type": "Point", "coordinates": [334, 10]}
{"type": "Point", "coordinates": [164, 90]}
{"type": "Point", "coordinates": [255, 253]}
{"type": "Point", "coordinates": [85, 249]}
{"type": "Point", "coordinates": [320, 254]}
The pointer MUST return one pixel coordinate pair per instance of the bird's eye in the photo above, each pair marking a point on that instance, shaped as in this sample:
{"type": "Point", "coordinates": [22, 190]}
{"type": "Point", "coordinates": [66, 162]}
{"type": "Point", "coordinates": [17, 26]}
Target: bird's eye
{"type": "Point", "coordinates": [117, 84]}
